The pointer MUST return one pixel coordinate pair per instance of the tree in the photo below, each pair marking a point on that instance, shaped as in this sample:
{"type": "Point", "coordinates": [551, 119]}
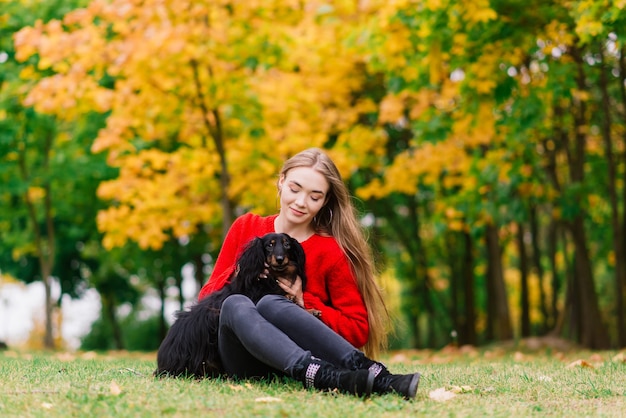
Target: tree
{"type": "Point", "coordinates": [462, 126]}
{"type": "Point", "coordinates": [43, 163]}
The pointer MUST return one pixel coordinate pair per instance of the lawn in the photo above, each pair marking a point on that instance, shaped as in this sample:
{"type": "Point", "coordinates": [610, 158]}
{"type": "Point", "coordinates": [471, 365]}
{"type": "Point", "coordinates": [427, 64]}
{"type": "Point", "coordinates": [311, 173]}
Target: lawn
{"type": "Point", "coordinates": [455, 383]}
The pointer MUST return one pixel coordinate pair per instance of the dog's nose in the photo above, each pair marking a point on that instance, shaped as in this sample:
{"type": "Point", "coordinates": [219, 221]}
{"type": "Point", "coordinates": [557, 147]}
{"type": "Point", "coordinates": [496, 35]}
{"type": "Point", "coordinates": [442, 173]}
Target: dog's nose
{"type": "Point", "coordinates": [280, 259]}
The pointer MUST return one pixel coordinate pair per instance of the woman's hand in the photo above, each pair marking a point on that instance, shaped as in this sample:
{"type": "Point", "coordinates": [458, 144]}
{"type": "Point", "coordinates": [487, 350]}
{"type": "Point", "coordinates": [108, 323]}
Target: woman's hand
{"type": "Point", "coordinates": [293, 291]}
{"type": "Point", "coordinates": [265, 272]}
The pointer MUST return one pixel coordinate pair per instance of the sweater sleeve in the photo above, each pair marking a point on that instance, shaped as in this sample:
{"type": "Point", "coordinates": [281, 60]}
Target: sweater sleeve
{"type": "Point", "coordinates": [344, 311]}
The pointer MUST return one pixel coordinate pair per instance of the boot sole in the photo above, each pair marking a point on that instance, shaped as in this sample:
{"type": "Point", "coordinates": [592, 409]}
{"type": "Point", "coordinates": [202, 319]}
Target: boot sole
{"type": "Point", "coordinates": [413, 386]}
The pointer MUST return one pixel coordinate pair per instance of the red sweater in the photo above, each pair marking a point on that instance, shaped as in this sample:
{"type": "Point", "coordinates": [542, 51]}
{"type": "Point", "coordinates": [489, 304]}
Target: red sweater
{"type": "Point", "coordinates": [331, 285]}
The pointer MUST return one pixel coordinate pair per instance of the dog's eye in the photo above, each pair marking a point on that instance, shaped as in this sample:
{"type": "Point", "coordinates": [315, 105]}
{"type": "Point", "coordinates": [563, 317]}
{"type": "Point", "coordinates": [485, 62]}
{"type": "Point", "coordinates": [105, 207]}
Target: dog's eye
{"type": "Point", "coordinates": [286, 245]}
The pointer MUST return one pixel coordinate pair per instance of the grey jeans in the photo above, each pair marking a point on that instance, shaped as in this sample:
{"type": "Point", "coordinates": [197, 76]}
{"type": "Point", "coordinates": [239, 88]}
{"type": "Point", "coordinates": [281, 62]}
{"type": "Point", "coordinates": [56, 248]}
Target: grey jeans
{"type": "Point", "coordinates": [273, 336]}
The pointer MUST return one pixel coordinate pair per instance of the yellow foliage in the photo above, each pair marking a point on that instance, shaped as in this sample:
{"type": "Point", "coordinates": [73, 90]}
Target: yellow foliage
{"type": "Point", "coordinates": [391, 109]}
{"type": "Point", "coordinates": [6, 278]}
{"type": "Point", "coordinates": [557, 33]}
{"type": "Point", "coordinates": [357, 147]}
{"type": "Point", "coordinates": [420, 102]}
{"type": "Point", "coordinates": [611, 258]}
{"type": "Point", "coordinates": [159, 193]}
{"type": "Point", "coordinates": [35, 193]}
{"type": "Point", "coordinates": [456, 225]}
{"type": "Point", "coordinates": [434, 5]}
{"type": "Point", "coordinates": [183, 82]}
{"type": "Point", "coordinates": [435, 64]}
{"type": "Point", "coordinates": [474, 11]}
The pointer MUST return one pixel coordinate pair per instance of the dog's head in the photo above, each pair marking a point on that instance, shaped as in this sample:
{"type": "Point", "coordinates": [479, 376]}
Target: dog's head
{"type": "Point", "coordinates": [281, 253]}
{"type": "Point", "coordinates": [284, 256]}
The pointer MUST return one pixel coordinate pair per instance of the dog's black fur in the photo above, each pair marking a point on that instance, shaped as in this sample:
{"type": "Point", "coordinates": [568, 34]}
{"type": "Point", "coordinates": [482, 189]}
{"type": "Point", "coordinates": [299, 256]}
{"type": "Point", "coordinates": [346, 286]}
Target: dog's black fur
{"type": "Point", "coordinates": [190, 347]}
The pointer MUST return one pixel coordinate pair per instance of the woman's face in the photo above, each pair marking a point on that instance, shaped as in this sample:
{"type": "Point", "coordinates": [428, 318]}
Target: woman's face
{"type": "Point", "coordinates": [303, 192]}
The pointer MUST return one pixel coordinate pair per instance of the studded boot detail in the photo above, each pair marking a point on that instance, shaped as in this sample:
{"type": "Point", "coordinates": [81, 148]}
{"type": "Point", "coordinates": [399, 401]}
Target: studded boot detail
{"type": "Point", "coordinates": [386, 382]}
{"type": "Point", "coordinates": [319, 374]}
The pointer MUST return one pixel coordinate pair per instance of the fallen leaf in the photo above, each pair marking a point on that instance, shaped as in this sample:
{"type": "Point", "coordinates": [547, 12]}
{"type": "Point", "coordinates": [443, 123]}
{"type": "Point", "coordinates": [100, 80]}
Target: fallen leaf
{"type": "Point", "coordinates": [579, 363]}
{"type": "Point", "coordinates": [65, 356]}
{"type": "Point", "coordinates": [47, 405]}
{"type": "Point", "coordinates": [468, 349]}
{"type": "Point", "coordinates": [620, 357]}
{"type": "Point", "coordinates": [461, 389]}
{"type": "Point", "coordinates": [545, 379]}
{"type": "Point", "coordinates": [596, 358]}
{"type": "Point", "coordinates": [89, 355]}
{"type": "Point", "coordinates": [399, 358]}
{"type": "Point", "coordinates": [236, 388]}
{"type": "Point", "coordinates": [441, 395]}
{"type": "Point", "coordinates": [268, 399]}
{"type": "Point", "coordinates": [115, 388]}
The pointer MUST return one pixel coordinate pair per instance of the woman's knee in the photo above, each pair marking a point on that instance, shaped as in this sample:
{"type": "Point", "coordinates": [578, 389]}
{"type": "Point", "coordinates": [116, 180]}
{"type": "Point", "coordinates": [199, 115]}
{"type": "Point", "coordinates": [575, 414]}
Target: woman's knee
{"type": "Point", "coordinates": [272, 305]}
{"type": "Point", "coordinates": [235, 304]}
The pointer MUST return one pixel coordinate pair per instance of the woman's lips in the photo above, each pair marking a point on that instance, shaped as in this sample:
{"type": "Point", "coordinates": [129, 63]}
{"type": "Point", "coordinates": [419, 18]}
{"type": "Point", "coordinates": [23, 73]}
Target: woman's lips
{"type": "Point", "coordinates": [297, 212]}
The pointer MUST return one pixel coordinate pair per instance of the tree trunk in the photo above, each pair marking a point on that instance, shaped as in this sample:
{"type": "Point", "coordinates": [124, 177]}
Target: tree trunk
{"type": "Point", "coordinates": [559, 141]}
{"type": "Point", "coordinates": [469, 320]}
{"type": "Point", "coordinates": [405, 230]}
{"type": "Point", "coordinates": [524, 293]}
{"type": "Point", "coordinates": [421, 262]}
{"type": "Point", "coordinates": [554, 271]}
{"type": "Point", "coordinates": [536, 262]}
{"type": "Point", "coordinates": [44, 246]}
{"type": "Point", "coordinates": [496, 291]}
{"type": "Point", "coordinates": [179, 285]}
{"type": "Point", "coordinates": [456, 289]}
{"type": "Point", "coordinates": [616, 228]}
{"type": "Point", "coordinates": [160, 284]}
{"type": "Point", "coordinates": [108, 307]}
{"type": "Point", "coordinates": [198, 272]}
{"type": "Point", "coordinates": [213, 124]}
{"type": "Point", "coordinates": [565, 320]}
{"type": "Point", "coordinates": [593, 332]}
{"type": "Point", "coordinates": [621, 287]}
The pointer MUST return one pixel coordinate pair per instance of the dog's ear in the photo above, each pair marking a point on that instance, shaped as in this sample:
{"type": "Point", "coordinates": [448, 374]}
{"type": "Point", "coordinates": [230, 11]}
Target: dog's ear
{"type": "Point", "coordinates": [297, 250]}
{"type": "Point", "coordinates": [251, 262]}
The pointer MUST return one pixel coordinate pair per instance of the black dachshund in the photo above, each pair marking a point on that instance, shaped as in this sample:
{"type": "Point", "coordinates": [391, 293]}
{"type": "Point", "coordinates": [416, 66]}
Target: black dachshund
{"type": "Point", "coordinates": [190, 347]}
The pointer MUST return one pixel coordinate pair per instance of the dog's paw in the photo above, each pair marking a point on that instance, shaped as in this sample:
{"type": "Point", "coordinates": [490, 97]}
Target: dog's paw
{"type": "Point", "coordinates": [315, 312]}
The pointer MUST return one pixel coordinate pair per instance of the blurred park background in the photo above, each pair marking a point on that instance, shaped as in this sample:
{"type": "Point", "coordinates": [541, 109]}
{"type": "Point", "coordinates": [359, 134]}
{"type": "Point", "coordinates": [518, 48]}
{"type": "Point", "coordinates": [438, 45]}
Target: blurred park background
{"type": "Point", "coordinates": [484, 142]}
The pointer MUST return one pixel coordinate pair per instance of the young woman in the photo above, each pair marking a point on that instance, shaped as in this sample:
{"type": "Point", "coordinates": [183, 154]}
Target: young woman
{"type": "Point", "coordinates": [321, 349]}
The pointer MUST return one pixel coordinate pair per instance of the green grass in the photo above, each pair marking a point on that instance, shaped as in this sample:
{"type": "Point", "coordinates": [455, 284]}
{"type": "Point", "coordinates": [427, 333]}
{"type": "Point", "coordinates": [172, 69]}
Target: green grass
{"type": "Point", "coordinates": [485, 383]}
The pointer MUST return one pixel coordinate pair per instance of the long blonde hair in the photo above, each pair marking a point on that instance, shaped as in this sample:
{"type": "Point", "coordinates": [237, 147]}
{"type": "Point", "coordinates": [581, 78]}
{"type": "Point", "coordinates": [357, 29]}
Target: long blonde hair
{"type": "Point", "coordinates": [338, 218]}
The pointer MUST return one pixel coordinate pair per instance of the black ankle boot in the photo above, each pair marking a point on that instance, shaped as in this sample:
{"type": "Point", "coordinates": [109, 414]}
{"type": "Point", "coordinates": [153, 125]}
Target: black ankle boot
{"type": "Point", "coordinates": [385, 382]}
{"type": "Point", "coordinates": [320, 374]}
{"type": "Point", "coordinates": [402, 384]}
